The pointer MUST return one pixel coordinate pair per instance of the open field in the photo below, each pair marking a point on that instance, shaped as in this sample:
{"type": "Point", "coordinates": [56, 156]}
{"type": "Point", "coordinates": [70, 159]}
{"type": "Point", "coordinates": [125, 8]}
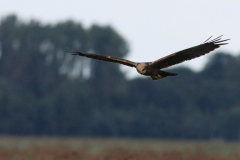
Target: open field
{"type": "Point", "coordinates": [30, 148]}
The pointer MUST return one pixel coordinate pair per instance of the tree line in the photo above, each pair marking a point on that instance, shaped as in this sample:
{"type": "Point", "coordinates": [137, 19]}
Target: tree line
{"type": "Point", "coordinates": [46, 91]}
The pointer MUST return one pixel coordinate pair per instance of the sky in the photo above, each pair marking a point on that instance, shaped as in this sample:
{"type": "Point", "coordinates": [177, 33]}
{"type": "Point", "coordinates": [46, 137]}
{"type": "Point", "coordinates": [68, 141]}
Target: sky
{"type": "Point", "coordinates": [152, 28]}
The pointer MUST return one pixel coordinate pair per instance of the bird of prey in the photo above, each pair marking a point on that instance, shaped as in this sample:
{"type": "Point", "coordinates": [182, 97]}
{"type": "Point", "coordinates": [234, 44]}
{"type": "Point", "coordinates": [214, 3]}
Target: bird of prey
{"type": "Point", "coordinates": [153, 69]}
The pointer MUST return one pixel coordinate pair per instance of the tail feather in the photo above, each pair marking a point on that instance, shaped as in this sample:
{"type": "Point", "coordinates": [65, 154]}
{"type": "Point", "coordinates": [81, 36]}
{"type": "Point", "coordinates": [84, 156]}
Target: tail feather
{"type": "Point", "coordinates": [163, 74]}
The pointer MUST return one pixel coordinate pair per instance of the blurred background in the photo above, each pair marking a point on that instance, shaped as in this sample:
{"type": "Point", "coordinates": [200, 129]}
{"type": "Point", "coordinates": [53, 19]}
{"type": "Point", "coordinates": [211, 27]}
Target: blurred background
{"type": "Point", "coordinates": [46, 91]}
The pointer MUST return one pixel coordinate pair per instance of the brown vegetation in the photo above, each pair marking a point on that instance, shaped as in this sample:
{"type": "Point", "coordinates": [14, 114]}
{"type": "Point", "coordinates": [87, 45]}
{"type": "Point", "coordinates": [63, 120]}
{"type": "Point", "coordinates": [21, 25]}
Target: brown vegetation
{"type": "Point", "coordinates": [45, 153]}
{"type": "Point", "coordinates": [17, 148]}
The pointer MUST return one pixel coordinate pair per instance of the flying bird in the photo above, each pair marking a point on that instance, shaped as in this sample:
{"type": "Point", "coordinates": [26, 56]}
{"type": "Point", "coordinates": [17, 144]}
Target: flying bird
{"type": "Point", "coordinates": [153, 69]}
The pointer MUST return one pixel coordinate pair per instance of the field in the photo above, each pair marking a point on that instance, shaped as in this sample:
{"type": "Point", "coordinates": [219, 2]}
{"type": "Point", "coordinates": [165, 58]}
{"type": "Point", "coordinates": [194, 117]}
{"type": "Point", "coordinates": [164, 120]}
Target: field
{"type": "Point", "coordinates": [30, 148]}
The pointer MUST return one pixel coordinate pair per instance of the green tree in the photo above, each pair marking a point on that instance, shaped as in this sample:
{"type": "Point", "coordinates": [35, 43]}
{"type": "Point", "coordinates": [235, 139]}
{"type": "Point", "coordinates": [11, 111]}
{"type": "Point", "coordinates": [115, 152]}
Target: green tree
{"type": "Point", "coordinates": [109, 83]}
{"type": "Point", "coordinates": [45, 90]}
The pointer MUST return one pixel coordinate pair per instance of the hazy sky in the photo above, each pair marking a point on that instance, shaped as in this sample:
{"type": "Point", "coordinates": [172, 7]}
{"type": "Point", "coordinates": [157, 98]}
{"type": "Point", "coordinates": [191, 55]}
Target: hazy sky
{"type": "Point", "coordinates": [153, 28]}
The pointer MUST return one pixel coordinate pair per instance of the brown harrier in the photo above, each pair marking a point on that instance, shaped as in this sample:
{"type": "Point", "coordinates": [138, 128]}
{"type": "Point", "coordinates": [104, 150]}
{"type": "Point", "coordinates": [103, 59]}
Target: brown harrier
{"type": "Point", "coordinates": [153, 68]}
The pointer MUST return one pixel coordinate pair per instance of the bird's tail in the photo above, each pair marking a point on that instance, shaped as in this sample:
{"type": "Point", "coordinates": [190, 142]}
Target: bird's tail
{"type": "Point", "coordinates": [163, 74]}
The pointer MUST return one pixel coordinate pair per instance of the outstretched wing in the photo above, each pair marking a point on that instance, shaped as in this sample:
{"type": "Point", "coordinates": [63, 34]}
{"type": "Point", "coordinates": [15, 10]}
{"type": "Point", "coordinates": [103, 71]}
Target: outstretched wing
{"type": "Point", "coordinates": [106, 58]}
{"type": "Point", "coordinates": [189, 53]}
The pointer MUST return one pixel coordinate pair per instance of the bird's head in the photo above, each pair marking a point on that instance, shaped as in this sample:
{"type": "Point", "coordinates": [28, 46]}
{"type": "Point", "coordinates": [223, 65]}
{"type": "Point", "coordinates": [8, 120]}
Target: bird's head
{"type": "Point", "coordinates": [142, 68]}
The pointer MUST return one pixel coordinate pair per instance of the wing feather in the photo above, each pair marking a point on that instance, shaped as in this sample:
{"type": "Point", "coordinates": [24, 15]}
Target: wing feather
{"type": "Point", "coordinates": [106, 58]}
{"type": "Point", "coordinates": [189, 53]}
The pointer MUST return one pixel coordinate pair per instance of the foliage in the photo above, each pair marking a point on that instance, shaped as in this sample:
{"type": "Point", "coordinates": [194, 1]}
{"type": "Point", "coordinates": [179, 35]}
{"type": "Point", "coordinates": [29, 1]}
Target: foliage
{"type": "Point", "coordinates": [46, 91]}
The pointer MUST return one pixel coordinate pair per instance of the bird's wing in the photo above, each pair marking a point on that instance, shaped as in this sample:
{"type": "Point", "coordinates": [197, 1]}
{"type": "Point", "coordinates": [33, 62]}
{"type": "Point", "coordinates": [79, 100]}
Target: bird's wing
{"type": "Point", "coordinates": [106, 58]}
{"type": "Point", "coordinates": [189, 53]}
